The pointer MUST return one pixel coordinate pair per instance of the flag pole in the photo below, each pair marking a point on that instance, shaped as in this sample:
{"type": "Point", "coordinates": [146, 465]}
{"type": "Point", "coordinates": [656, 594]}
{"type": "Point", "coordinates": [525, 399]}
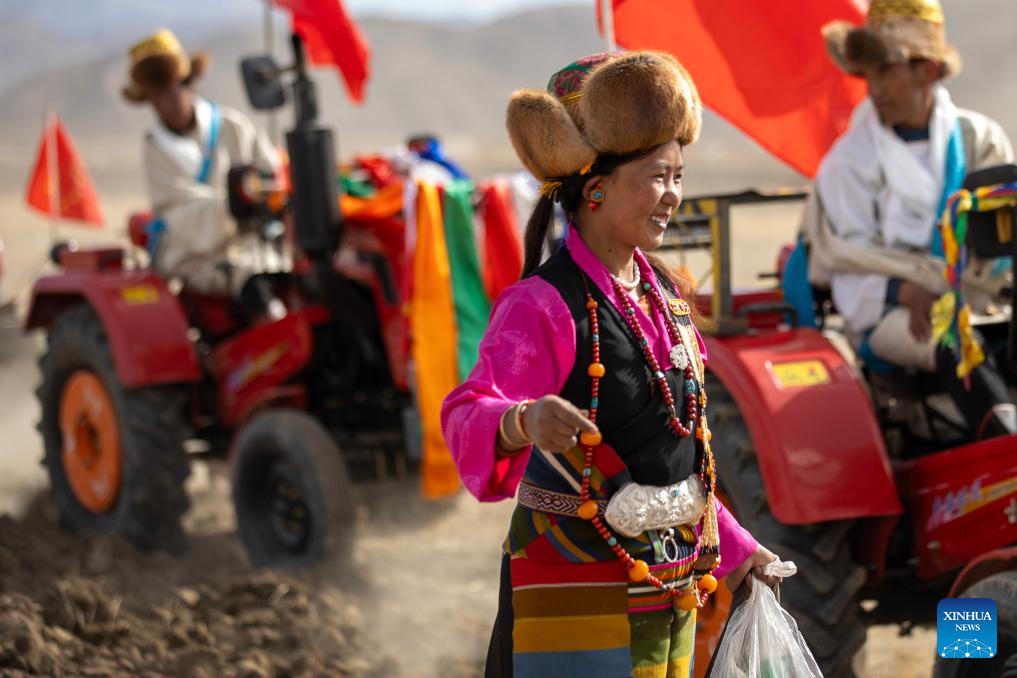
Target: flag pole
{"type": "Point", "coordinates": [269, 37]}
{"type": "Point", "coordinates": [607, 20]}
{"type": "Point", "coordinates": [52, 176]}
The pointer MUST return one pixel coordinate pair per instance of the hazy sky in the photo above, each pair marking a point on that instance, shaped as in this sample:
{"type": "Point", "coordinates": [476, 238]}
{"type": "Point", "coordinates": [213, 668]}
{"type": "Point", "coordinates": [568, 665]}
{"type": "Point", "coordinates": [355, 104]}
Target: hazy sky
{"type": "Point", "coordinates": [473, 10]}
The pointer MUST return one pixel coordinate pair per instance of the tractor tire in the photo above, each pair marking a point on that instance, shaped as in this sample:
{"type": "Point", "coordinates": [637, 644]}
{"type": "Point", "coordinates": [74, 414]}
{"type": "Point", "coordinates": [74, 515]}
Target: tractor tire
{"type": "Point", "coordinates": [1001, 588]}
{"type": "Point", "coordinates": [115, 455]}
{"type": "Point", "coordinates": [292, 493]}
{"type": "Point", "coordinates": [822, 596]}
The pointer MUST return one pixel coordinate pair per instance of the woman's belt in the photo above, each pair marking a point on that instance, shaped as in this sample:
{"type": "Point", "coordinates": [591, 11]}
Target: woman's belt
{"type": "Point", "coordinates": [633, 509]}
{"type": "Point", "coordinates": [549, 501]}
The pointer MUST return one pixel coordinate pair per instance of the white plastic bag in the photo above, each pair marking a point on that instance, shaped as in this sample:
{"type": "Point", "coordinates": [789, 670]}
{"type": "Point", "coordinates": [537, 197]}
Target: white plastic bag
{"type": "Point", "coordinates": [762, 640]}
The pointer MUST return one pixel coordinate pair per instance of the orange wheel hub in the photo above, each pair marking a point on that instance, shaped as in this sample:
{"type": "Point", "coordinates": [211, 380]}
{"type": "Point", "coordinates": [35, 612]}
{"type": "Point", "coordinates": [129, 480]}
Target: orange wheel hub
{"type": "Point", "coordinates": [91, 441]}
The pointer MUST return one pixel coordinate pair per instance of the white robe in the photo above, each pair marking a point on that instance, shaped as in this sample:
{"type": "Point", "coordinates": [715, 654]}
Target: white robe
{"type": "Point", "coordinates": [878, 191]}
{"type": "Point", "coordinates": [200, 235]}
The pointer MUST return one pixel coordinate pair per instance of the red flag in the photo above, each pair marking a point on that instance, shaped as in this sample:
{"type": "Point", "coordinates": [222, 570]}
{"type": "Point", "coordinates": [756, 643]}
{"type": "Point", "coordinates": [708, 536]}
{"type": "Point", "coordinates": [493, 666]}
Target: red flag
{"type": "Point", "coordinates": [503, 248]}
{"type": "Point", "coordinates": [331, 37]}
{"type": "Point", "coordinates": [68, 192]}
{"type": "Point", "coordinates": [760, 65]}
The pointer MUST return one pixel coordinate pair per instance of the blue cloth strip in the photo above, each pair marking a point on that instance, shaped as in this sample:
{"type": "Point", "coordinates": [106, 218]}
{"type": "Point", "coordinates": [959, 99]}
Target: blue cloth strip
{"type": "Point", "coordinates": [213, 140]}
{"type": "Point", "coordinates": [953, 181]}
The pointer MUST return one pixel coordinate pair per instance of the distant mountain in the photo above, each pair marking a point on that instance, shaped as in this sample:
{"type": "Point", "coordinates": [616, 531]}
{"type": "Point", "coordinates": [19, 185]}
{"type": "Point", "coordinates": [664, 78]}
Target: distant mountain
{"type": "Point", "coordinates": [450, 80]}
{"type": "Point", "coordinates": [36, 36]}
{"type": "Point", "coordinates": [108, 20]}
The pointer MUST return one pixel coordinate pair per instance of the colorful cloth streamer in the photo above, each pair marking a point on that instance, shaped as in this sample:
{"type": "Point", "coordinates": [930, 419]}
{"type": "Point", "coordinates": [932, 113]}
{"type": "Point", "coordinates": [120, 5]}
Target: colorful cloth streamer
{"type": "Point", "coordinates": [952, 317]}
{"type": "Point", "coordinates": [503, 246]}
{"type": "Point", "coordinates": [432, 319]}
{"type": "Point", "coordinates": [471, 304]}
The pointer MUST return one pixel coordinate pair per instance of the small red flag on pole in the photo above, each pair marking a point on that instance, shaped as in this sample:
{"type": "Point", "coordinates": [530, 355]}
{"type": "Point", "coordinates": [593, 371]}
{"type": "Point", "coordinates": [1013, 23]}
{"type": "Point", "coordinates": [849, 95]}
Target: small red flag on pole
{"type": "Point", "coordinates": [332, 38]}
{"type": "Point", "coordinates": [60, 186]}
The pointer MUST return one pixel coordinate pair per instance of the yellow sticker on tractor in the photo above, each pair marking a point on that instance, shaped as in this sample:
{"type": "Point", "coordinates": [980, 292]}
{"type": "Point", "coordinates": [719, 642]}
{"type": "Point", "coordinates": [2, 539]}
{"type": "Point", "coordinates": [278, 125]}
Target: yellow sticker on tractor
{"type": "Point", "coordinates": [800, 374]}
{"type": "Point", "coordinates": [136, 295]}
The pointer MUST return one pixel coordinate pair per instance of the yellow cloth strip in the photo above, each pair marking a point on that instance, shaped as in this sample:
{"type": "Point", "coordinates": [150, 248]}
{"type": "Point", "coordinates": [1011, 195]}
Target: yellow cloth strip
{"type": "Point", "coordinates": [432, 322]}
{"type": "Point", "coordinates": [678, 668]}
{"type": "Point", "coordinates": [571, 634]}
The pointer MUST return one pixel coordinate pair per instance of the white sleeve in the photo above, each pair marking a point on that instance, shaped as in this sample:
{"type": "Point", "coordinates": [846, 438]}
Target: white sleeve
{"type": "Point", "coordinates": [994, 147]}
{"type": "Point", "coordinates": [196, 214]}
{"type": "Point", "coordinates": [253, 144]}
{"type": "Point", "coordinates": [850, 203]}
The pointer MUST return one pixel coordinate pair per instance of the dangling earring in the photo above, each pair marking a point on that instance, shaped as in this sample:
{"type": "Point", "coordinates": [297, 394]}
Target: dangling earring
{"type": "Point", "coordinates": [596, 197]}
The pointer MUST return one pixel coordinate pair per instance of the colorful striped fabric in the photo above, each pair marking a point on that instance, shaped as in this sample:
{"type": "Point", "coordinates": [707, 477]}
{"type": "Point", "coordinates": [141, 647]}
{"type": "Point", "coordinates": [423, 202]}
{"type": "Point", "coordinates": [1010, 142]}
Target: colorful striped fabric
{"type": "Point", "coordinates": [576, 614]}
{"type": "Point", "coordinates": [585, 620]}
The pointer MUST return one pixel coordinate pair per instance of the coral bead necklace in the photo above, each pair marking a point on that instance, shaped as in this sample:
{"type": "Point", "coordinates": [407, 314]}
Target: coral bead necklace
{"type": "Point", "coordinates": [638, 570]}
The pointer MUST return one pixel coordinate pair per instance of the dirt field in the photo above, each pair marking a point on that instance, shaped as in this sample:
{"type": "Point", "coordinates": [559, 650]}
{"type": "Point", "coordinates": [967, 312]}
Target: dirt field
{"type": "Point", "coordinates": [418, 601]}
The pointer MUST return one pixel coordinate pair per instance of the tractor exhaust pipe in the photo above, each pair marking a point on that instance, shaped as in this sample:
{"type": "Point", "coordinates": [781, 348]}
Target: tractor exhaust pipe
{"type": "Point", "coordinates": [312, 169]}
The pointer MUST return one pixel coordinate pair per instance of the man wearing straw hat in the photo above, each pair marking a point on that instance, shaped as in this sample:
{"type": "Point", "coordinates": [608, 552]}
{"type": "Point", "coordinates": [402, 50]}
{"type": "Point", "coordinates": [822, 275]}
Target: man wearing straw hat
{"type": "Point", "coordinates": [188, 154]}
{"type": "Point", "coordinates": [880, 191]}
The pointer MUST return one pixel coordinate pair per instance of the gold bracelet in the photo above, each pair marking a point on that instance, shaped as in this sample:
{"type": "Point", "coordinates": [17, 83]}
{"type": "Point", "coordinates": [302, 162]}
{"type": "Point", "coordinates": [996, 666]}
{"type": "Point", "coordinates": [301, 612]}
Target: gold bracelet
{"type": "Point", "coordinates": [503, 434]}
{"type": "Point", "coordinates": [520, 411]}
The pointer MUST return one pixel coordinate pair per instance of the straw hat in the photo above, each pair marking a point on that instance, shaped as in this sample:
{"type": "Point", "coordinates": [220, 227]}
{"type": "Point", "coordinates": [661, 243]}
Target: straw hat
{"type": "Point", "coordinates": [159, 61]}
{"type": "Point", "coordinates": [895, 31]}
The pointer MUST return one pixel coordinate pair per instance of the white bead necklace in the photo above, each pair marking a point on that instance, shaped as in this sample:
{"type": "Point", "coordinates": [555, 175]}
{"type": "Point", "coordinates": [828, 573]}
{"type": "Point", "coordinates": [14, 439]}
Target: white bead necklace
{"type": "Point", "coordinates": [634, 284]}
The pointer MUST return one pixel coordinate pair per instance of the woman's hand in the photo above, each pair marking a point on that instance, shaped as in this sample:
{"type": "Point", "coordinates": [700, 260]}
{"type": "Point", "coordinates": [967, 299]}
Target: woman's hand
{"type": "Point", "coordinates": [554, 424]}
{"type": "Point", "coordinates": [755, 564]}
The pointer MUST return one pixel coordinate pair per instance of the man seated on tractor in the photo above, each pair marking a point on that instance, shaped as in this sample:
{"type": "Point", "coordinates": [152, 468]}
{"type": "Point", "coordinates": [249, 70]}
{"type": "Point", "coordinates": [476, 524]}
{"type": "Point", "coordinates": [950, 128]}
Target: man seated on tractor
{"type": "Point", "coordinates": [882, 187]}
{"type": "Point", "coordinates": [188, 155]}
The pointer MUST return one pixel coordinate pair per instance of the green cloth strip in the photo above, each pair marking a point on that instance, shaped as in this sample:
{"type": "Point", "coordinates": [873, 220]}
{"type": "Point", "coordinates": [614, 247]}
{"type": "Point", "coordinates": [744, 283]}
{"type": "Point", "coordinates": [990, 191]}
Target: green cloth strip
{"type": "Point", "coordinates": [472, 307]}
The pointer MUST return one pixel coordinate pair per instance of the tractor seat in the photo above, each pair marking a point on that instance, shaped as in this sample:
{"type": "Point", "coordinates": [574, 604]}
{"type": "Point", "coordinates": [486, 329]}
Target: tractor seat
{"type": "Point", "coordinates": [216, 315]}
{"type": "Point", "coordinates": [139, 230]}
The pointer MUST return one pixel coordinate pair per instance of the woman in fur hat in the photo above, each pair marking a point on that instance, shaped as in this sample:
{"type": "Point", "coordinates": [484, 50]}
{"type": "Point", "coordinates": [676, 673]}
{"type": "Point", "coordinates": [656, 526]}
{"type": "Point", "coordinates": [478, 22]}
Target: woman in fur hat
{"type": "Point", "coordinates": [188, 153]}
{"type": "Point", "coordinates": [587, 401]}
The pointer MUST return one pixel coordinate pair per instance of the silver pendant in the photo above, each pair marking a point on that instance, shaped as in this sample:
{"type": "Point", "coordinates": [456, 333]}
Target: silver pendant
{"type": "Point", "coordinates": [679, 356]}
{"type": "Point", "coordinates": [667, 540]}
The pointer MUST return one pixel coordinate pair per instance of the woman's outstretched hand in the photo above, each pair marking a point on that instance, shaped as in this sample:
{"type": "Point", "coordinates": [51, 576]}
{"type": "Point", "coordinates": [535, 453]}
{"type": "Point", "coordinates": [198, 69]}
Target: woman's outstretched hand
{"type": "Point", "coordinates": [554, 424]}
{"type": "Point", "coordinates": [755, 564]}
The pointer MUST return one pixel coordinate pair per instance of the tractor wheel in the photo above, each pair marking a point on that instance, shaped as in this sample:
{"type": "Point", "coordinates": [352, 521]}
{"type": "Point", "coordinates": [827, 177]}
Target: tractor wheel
{"type": "Point", "coordinates": [1001, 588]}
{"type": "Point", "coordinates": [115, 456]}
{"type": "Point", "coordinates": [822, 596]}
{"type": "Point", "coordinates": [292, 493]}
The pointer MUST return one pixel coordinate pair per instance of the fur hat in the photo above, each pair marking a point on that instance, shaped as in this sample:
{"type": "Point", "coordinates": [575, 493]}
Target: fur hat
{"type": "Point", "coordinates": [605, 104]}
{"type": "Point", "coordinates": [159, 61]}
{"type": "Point", "coordinates": [895, 31]}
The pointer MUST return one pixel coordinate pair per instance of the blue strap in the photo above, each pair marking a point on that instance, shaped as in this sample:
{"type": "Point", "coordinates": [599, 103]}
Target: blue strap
{"type": "Point", "coordinates": [213, 140]}
{"type": "Point", "coordinates": [953, 181]}
{"type": "Point", "coordinates": [797, 289]}
{"type": "Point", "coordinates": [154, 228]}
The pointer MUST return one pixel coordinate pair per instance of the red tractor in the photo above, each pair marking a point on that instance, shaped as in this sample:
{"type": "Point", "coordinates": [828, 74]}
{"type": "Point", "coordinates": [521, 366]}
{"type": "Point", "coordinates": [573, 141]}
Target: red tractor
{"type": "Point", "coordinates": [817, 460]}
{"type": "Point", "coordinates": [138, 378]}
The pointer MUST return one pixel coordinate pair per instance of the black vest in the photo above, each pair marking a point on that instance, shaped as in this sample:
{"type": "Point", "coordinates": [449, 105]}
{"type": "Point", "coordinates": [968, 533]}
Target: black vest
{"type": "Point", "coordinates": [631, 415]}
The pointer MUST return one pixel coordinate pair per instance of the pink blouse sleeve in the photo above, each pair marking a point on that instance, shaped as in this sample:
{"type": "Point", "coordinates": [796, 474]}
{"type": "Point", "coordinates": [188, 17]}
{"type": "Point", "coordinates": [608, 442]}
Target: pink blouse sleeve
{"type": "Point", "coordinates": [527, 352]}
{"type": "Point", "coordinates": [736, 544]}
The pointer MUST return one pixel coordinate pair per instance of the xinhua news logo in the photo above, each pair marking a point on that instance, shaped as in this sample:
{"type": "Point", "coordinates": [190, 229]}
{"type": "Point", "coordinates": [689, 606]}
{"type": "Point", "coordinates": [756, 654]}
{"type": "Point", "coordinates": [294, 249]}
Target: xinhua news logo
{"type": "Point", "coordinates": [966, 628]}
